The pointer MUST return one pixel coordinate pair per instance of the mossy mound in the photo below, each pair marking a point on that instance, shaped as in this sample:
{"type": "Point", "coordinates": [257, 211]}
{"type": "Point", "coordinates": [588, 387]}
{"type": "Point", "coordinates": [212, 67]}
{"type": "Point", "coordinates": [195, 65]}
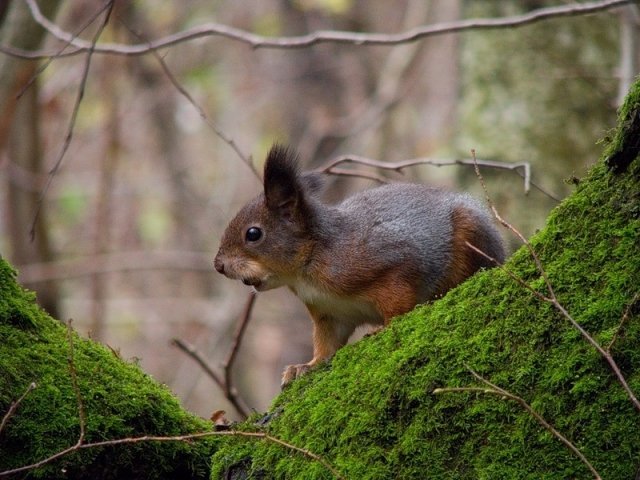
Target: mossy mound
{"type": "Point", "coordinates": [119, 401]}
{"type": "Point", "coordinates": [373, 412]}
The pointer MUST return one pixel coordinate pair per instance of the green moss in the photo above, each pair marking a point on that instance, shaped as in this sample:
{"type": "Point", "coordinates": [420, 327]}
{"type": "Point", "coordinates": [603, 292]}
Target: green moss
{"type": "Point", "coordinates": [626, 142]}
{"type": "Point", "coordinates": [118, 398]}
{"type": "Point", "coordinates": [373, 414]}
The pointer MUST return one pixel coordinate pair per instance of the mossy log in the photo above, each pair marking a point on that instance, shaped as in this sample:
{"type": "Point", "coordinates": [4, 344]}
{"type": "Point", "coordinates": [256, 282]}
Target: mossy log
{"type": "Point", "coordinates": [75, 378]}
{"type": "Point", "coordinates": [375, 412]}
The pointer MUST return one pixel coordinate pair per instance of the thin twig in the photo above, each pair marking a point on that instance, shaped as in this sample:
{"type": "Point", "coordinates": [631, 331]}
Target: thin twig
{"type": "Point", "coordinates": [81, 415]}
{"type": "Point", "coordinates": [14, 406]}
{"type": "Point", "coordinates": [195, 355]}
{"type": "Point", "coordinates": [247, 160]}
{"type": "Point", "coordinates": [45, 461]}
{"type": "Point", "coordinates": [551, 297]}
{"type": "Point", "coordinates": [81, 444]}
{"type": "Point", "coordinates": [237, 340]}
{"type": "Point", "coordinates": [72, 120]}
{"type": "Point", "coordinates": [513, 276]}
{"type": "Point", "coordinates": [234, 398]}
{"type": "Point", "coordinates": [495, 390]}
{"type": "Point", "coordinates": [625, 318]}
{"type": "Point", "coordinates": [399, 166]}
{"type": "Point", "coordinates": [315, 38]}
{"type": "Point", "coordinates": [42, 67]}
{"type": "Point", "coordinates": [177, 438]}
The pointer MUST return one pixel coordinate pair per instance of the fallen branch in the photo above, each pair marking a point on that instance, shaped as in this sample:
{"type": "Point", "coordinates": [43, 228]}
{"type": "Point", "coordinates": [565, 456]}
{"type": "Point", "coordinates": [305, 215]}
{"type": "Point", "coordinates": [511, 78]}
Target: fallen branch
{"type": "Point", "coordinates": [14, 406]}
{"type": "Point", "coordinates": [495, 390]}
{"type": "Point", "coordinates": [623, 320]}
{"type": "Point", "coordinates": [551, 296]}
{"type": "Point", "coordinates": [177, 438]}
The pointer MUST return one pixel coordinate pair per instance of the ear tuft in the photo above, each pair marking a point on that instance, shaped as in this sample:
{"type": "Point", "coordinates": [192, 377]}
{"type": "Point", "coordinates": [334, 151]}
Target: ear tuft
{"type": "Point", "coordinates": [281, 185]}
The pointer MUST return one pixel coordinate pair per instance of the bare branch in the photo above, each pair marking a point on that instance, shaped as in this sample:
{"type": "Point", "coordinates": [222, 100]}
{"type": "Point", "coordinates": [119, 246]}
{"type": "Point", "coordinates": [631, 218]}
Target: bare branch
{"type": "Point", "coordinates": [234, 398]}
{"type": "Point", "coordinates": [74, 116]}
{"type": "Point", "coordinates": [495, 390]}
{"type": "Point", "coordinates": [551, 297]}
{"type": "Point", "coordinates": [41, 68]}
{"type": "Point", "coordinates": [237, 340]}
{"type": "Point", "coordinates": [178, 438]}
{"type": "Point", "coordinates": [14, 406]}
{"type": "Point", "coordinates": [330, 167]}
{"type": "Point", "coordinates": [194, 354]}
{"type": "Point", "coordinates": [45, 461]}
{"type": "Point", "coordinates": [513, 276]}
{"type": "Point", "coordinates": [315, 38]}
{"type": "Point", "coordinates": [183, 91]}
{"type": "Point", "coordinates": [225, 382]}
{"type": "Point", "coordinates": [625, 318]}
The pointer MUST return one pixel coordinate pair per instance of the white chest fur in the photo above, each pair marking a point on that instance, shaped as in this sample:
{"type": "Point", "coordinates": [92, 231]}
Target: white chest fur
{"type": "Point", "coordinates": [353, 310]}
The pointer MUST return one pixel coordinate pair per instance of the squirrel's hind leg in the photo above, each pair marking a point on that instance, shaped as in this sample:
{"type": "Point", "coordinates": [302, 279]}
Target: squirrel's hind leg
{"type": "Point", "coordinates": [329, 335]}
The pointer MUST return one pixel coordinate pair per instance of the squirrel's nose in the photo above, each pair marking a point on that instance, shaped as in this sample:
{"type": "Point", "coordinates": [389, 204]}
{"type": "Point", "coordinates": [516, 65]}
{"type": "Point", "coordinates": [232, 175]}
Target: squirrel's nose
{"type": "Point", "coordinates": [219, 264]}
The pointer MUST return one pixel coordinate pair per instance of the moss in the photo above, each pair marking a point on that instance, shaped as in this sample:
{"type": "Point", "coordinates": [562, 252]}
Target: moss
{"type": "Point", "coordinates": [626, 143]}
{"type": "Point", "coordinates": [118, 398]}
{"type": "Point", "coordinates": [373, 414]}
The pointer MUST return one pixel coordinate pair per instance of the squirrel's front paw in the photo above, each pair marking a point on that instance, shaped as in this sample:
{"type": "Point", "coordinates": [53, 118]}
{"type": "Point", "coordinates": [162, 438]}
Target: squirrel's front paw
{"type": "Point", "coordinates": [292, 372]}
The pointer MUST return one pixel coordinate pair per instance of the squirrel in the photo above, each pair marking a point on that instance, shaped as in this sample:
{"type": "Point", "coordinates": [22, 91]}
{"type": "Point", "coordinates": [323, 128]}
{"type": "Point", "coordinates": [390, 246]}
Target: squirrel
{"type": "Point", "coordinates": [372, 257]}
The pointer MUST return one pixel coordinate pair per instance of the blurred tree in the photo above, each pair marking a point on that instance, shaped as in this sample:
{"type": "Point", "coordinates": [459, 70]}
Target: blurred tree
{"type": "Point", "coordinates": [20, 142]}
{"type": "Point", "coordinates": [543, 93]}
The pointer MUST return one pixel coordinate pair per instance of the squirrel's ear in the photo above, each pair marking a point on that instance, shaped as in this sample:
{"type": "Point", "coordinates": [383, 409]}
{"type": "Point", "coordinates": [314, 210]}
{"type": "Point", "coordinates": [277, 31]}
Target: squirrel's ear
{"type": "Point", "coordinates": [282, 188]}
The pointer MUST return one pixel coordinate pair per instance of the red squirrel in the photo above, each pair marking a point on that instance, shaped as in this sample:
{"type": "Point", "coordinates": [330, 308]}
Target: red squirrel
{"type": "Point", "coordinates": [372, 257]}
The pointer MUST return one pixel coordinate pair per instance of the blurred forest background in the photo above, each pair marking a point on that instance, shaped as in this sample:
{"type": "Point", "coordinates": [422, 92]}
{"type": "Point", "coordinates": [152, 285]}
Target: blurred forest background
{"type": "Point", "coordinates": [127, 231]}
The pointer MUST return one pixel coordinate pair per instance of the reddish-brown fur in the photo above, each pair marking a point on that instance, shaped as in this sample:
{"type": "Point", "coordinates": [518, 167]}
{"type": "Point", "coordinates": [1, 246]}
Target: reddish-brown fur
{"type": "Point", "coordinates": [464, 260]}
{"type": "Point", "coordinates": [392, 296]}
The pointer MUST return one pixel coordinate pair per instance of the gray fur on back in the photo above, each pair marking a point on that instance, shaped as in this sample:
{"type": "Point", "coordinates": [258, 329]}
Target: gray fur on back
{"type": "Point", "coordinates": [400, 223]}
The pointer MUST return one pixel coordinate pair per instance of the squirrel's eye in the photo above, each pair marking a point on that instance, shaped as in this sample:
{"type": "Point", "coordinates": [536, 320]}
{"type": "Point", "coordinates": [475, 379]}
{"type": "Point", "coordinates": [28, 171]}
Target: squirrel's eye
{"type": "Point", "coordinates": [253, 234]}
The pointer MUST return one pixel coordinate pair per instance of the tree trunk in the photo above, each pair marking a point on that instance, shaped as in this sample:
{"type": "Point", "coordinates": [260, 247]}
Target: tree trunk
{"type": "Point", "coordinates": [21, 143]}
